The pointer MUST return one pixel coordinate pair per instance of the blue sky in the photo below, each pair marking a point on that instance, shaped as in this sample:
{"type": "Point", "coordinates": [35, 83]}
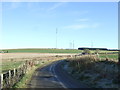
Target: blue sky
{"type": "Point", "coordinates": [33, 24]}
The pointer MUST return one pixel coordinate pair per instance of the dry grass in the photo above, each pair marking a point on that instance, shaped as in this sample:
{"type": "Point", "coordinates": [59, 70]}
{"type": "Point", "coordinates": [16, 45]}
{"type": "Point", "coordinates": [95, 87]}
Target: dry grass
{"type": "Point", "coordinates": [95, 72]}
{"type": "Point", "coordinates": [10, 61]}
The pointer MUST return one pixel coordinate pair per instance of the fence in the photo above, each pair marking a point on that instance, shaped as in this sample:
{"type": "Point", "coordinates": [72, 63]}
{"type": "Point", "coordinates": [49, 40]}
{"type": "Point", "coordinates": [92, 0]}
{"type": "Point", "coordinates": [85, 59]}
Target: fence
{"type": "Point", "coordinates": [11, 77]}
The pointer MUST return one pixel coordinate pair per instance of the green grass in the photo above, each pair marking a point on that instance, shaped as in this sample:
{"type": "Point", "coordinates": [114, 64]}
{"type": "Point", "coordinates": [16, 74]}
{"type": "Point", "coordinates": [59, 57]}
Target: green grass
{"type": "Point", "coordinates": [43, 51]}
{"type": "Point", "coordinates": [10, 65]}
{"type": "Point", "coordinates": [27, 77]}
{"type": "Point", "coordinates": [103, 51]}
{"type": "Point", "coordinates": [50, 51]}
{"type": "Point", "coordinates": [111, 56]}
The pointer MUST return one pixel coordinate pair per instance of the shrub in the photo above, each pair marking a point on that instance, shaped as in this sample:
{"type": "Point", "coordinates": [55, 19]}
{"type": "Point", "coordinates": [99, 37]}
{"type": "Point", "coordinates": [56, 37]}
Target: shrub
{"type": "Point", "coordinates": [86, 51]}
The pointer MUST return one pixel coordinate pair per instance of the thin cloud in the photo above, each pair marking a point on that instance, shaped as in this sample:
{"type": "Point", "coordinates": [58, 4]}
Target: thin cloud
{"type": "Point", "coordinates": [82, 26]}
{"type": "Point", "coordinates": [57, 5]}
{"type": "Point", "coordinates": [79, 12]}
{"type": "Point", "coordinates": [79, 26]}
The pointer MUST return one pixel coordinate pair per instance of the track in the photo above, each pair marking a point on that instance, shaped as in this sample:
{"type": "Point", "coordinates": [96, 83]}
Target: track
{"type": "Point", "coordinates": [53, 76]}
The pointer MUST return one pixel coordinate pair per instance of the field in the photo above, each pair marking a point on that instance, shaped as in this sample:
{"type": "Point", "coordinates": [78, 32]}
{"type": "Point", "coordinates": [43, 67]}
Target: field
{"type": "Point", "coordinates": [111, 56]}
{"type": "Point", "coordinates": [14, 60]}
{"type": "Point", "coordinates": [43, 51]}
{"type": "Point", "coordinates": [15, 57]}
{"type": "Point", "coordinates": [52, 51]}
{"type": "Point", "coordinates": [11, 65]}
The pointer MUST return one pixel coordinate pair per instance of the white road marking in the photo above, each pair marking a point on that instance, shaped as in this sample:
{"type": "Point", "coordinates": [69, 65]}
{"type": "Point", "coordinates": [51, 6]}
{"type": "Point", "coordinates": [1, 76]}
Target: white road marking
{"type": "Point", "coordinates": [53, 66]}
{"type": "Point", "coordinates": [50, 68]}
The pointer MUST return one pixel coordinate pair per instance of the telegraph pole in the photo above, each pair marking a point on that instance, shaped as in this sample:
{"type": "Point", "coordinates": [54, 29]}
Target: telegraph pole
{"type": "Point", "coordinates": [73, 44]}
{"type": "Point", "coordinates": [56, 37]}
{"type": "Point", "coordinates": [91, 44]}
{"type": "Point", "coordinates": [70, 45]}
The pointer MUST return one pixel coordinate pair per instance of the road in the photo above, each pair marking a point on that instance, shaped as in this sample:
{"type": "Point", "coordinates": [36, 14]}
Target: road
{"type": "Point", "coordinates": [53, 76]}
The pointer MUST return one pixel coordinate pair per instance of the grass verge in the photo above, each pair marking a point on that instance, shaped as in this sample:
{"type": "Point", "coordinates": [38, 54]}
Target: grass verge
{"type": "Point", "coordinates": [94, 72]}
{"type": "Point", "coordinates": [27, 77]}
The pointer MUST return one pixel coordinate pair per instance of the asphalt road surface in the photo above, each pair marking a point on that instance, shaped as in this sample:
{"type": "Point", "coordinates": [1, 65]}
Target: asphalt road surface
{"type": "Point", "coordinates": [53, 76]}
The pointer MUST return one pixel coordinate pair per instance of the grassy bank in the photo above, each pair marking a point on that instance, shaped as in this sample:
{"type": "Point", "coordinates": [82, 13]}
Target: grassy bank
{"type": "Point", "coordinates": [94, 72]}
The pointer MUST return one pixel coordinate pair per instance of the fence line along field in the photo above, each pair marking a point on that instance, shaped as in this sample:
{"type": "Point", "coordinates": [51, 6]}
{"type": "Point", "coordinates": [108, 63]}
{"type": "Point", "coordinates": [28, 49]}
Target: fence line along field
{"type": "Point", "coordinates": [13, 60]}
{"type": "Point", "coordinates": [16, 65]}
{"type": "Point", "coordinates": [11, 77]}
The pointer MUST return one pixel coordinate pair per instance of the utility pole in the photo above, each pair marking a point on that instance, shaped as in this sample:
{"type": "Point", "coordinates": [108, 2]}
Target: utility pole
{"type": "Point", "coordinates": [56, 37]}
{"type": "Point", "coordinates": [73, 44]}
{"type": "Point", "coordinates": [70, 45]}
{"type": "Point", "coordinates": [91, 44]}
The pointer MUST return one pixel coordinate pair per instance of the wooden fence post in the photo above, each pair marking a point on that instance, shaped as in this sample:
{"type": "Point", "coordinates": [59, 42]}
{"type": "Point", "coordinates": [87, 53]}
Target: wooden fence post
{"type": "Point", "coordinates": [9, 77]}
{"type": "Point", "coordinates": [24, 67]}
{"type": "Point", "coordinates": [14, 72]}
{"type": "Point", "coordinates": [1, 82]}
{"type": "Point", "coordinates": [14, 75]}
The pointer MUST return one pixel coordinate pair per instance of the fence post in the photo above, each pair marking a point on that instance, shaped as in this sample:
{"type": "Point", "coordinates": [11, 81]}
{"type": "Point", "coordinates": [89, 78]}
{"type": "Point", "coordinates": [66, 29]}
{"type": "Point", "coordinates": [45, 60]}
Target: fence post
{"type": "Point", "coordinates": [24, 68]}
{"type": "Point", "coordinates": [1, 82]}
{"type": "Point", "coordinates": [9, 77]}
{"type": "Point", "coordinates": [14, 72]}
{"type": "Point", "coordinates": [14, 75]}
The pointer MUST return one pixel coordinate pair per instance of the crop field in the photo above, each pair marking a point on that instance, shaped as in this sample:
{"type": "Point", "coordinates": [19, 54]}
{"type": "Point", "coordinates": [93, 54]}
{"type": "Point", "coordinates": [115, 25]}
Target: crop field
{"type": "Point", "coordinates": [52, 51]}
{"type": "Point", "coordinates": [14, 60]}
{"type": "Point", "coordinates": [111, 56]}
{"type": "Point", "coordinates": [43, 51]}
{"type": "Point", "coordinates": [11, 65]}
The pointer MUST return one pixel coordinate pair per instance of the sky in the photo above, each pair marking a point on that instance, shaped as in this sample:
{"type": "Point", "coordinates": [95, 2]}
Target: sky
{"type": "Point", "coordinates": [78, 24]}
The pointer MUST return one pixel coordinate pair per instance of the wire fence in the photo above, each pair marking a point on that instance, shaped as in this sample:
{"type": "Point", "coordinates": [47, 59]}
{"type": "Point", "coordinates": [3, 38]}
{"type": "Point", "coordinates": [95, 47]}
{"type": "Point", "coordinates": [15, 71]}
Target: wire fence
{"type": "Point", "coordinates": [8, 79]}
{"type": "Point", "coordinates": [11, 77]}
